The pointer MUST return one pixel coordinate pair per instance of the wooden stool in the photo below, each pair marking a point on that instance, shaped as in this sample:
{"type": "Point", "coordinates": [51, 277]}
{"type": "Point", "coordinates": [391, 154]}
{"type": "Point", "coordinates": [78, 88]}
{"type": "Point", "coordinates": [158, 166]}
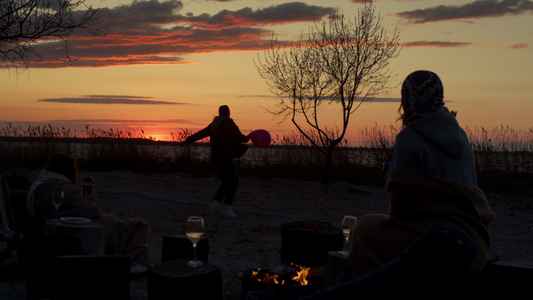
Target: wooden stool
{"type": "Point", "coordinates": [91, 277]}
{"type": "Point", "coordinates": [180, 247]}
{"type": "Point", "coordinates": [174, 279]}
{"type": "Point", "coordinates": [37, 255]}
{"type": "Point", "coordinates": [307, 243]}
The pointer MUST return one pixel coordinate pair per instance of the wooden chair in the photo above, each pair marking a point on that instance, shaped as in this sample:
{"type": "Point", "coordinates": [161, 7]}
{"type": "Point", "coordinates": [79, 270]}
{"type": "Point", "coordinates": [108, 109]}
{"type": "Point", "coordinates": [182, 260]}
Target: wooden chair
{"type": "Point", "coordinates": [9, 232]}
{"type": "Point", "coordinates": [34, 252]}
{"type": "Point", "coordinates": [45, 260]}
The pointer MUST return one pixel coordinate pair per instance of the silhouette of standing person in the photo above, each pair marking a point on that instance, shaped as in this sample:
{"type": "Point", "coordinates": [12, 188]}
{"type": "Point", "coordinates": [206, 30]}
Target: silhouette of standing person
{"type": "Point", "coordinates": [226, 143]}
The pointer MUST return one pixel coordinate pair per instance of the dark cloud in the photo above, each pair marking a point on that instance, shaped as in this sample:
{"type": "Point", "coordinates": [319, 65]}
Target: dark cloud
{"type": "Point", "coordinates": [279, 14]}
{"type": "Point", "coordinates": [473, 10]}
{"type": "Point", "coordinates": [139, 14]}
{"type": "Point", "coordinates": [121, 121]}
{"type": "Point", "coordinates": [155, 32]}
{"type": "Point", "coordinates": [438, 44]}
{"type": "Point", "coordinates": [110, 99]}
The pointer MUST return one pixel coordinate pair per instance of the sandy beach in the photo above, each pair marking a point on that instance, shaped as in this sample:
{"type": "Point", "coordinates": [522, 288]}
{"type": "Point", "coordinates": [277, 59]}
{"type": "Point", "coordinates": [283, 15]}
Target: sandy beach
{"type": "Point", "coordinates": [252, 239]}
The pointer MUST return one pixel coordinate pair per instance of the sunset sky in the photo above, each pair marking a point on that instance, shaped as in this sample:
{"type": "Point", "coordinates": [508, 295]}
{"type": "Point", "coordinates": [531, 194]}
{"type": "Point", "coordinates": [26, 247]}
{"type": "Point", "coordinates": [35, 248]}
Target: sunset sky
{"type": "Point", "coordinates": [163, 66]}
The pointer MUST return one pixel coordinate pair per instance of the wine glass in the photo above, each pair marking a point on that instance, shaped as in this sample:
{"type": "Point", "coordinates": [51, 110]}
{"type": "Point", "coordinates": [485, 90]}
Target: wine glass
{"type": "Point", "coordinates": [194, 231]}
{"type": "Point", "coordinates": [57, 199]}
{"type": "Point", "coordinates": [347, 224]}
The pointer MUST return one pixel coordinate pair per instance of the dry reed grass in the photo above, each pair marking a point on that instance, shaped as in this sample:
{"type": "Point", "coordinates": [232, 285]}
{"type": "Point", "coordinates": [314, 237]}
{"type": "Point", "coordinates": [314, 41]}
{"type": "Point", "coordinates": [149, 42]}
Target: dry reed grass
{"type": "Point", "coordinates": [504, 155]}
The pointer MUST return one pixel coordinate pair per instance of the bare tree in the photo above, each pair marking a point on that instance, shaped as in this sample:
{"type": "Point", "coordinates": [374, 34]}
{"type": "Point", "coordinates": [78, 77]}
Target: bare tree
{"type": "Point", "coordinates": [25, 23]}
{"type": "Point", "coordinates": [341, 63]}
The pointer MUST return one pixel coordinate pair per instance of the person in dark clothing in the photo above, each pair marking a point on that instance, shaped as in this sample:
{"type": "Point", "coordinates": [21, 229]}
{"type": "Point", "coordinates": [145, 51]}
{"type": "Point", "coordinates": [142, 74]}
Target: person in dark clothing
{"type": "Point", "coordinates": [431, 140]}
{"type": "Point", "coordinates": [433, 181]}
{"type": "Point", "coordinates": [226, 144]}
{"type": "Point", "coordinates": [122, 236]}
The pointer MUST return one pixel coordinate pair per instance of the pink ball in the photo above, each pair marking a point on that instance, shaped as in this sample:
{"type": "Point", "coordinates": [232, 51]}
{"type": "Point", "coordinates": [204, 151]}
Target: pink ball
{"type": "Point", "coordinates": [260, 138]}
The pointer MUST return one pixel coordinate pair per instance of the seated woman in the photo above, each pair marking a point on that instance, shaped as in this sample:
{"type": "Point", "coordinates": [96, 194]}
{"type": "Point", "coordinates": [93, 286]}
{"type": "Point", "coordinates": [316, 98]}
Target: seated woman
{"type": "Point", "coordinates": [123, 236]}
{"type": "Point", "coordinates": [433, 182]}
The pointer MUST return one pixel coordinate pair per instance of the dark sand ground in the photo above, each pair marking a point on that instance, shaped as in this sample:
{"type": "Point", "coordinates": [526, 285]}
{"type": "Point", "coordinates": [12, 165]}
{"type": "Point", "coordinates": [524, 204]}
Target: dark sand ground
{"type": "Point", "coordinates": [253, 239]}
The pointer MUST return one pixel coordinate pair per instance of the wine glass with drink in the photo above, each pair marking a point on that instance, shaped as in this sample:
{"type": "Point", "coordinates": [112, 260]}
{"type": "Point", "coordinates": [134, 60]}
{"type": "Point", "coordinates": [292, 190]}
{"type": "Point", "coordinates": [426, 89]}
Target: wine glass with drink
{"type": "Point", "coordinates": [194, 232]}
{"type": "Point", "coordinates": [57, 199]}
{"type": "Point", "coordinates": [347, 224]}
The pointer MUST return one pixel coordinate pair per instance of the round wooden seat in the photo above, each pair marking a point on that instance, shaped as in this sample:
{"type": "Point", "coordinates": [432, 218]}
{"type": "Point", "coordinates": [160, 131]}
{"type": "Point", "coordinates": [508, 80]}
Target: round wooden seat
{"type": "Point", "coordinates": [174, 279]}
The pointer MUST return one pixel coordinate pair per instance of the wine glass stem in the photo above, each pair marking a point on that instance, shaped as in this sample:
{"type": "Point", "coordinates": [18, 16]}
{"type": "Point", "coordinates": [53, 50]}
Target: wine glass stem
{"type": "Point", "coordinates": [194, 251]}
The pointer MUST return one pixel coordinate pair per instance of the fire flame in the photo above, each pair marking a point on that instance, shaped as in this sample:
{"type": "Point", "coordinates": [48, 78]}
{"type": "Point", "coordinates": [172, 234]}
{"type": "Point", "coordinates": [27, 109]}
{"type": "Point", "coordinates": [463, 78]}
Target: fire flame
{"type": "Point", "coordinates": [300, 277]}
{"type": "Point", "coordinates": [273, 279]}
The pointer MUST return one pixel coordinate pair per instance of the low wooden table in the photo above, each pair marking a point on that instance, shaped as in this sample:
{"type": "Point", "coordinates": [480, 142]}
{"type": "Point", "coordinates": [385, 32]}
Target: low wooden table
{"type": "Point", "coordinates": [91, 235]}
{"type": "Point", "coordinates": [173, 279]}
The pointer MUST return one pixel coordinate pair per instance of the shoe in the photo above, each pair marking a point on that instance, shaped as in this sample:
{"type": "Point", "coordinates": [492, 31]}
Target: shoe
{"type": "Point", "coordinates": [214, 207]}
{"type": "Point", "coordinates": [227, 211]}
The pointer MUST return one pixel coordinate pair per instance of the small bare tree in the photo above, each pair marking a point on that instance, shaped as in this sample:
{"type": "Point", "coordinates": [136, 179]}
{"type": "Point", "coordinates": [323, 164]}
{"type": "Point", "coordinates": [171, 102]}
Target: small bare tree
{"type": "Point", "coordinates": [24, 23]}
{"type": "Point", "coordinates": [341, 63]}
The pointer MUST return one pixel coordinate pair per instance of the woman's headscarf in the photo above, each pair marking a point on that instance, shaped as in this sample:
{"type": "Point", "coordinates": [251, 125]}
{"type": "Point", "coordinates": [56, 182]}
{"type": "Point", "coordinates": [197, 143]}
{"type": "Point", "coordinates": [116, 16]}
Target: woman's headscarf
{"type": "Point", "coordinates": [422, 94]}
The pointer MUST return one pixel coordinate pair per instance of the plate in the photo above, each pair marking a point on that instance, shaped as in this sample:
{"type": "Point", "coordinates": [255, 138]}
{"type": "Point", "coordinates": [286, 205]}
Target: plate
{"type": "Point", "coordinates": [75, 220]}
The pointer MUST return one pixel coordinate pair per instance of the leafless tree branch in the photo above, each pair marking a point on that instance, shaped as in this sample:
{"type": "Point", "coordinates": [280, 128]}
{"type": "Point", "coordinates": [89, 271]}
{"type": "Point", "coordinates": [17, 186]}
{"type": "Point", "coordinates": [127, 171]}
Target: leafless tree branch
{"type": "Point", "coordinates": [26, 23]}
{"type": "Point", "coordinates": [341, 63]}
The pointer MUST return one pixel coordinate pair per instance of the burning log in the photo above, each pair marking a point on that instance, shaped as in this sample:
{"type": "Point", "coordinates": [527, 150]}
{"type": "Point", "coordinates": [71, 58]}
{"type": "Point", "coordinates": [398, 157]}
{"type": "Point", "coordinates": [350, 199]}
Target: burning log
{"type": "Point", "coordinates": [302, 244]}
{"type": "Point", "coordinates": [298, 276]}
{"type": "Point", "coordinates": [290, 282]}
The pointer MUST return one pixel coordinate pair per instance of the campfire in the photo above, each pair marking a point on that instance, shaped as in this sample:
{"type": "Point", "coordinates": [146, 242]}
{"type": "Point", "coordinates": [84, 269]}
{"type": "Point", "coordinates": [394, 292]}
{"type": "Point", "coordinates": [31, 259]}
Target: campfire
{"type": "Point", "coordinates": [298, 276]}
{"type": "Point", "coordinates": [289, 282]}
{"type": "Point", "coordinates": [302, 244]}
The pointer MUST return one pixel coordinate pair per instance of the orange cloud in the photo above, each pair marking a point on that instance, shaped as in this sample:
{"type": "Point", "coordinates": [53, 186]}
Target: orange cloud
{"type": "Point", "coordinates": [153, 32]}
{"type": "Point", "coordinates": [520, 46]}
